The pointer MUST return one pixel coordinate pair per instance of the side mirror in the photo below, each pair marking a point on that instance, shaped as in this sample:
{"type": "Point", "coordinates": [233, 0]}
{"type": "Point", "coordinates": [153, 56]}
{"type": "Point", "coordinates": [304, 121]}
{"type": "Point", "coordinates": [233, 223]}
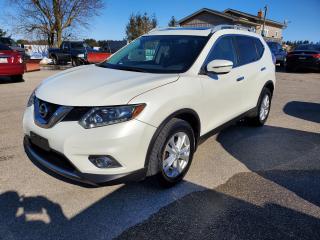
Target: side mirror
{"type": "Point", "coordinates": [219, 66]}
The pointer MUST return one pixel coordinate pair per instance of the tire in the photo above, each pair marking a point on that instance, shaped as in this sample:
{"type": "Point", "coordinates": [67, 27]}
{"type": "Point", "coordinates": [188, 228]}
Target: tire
{"type": "Point", "coordinates": [75, 62]}
{"type": "Point", "coordinates": [264, 104]}
{"type": "Point", "coordinates": [55, 60]}
{"type": "Point", "coordinates": [17, 78]}
{"type": "Point", "coordinates": [167, 161]}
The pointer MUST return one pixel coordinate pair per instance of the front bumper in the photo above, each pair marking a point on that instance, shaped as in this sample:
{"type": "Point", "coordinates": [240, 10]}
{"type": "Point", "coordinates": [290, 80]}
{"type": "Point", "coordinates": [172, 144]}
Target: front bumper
{"type": "Point", "coordinates": [71, 144]}
{"type": "Point", "coordinates": [59, 164]}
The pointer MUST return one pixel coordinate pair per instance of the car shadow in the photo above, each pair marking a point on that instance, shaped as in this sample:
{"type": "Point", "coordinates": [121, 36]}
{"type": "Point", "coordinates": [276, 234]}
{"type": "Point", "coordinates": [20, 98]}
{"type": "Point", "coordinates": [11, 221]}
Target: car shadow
{"type": "Point", "coordinates": [8, 80]}
{"type": "Point", "coordinates": [270, 151]}
{"type": "Point", "coordinates": [40, 218]}
{"type": "Point", "coordinates": [304, 110]}
{"type": "Point", "coordinates": [285, 157]}
{"type": "Point", "coordinates": [189, 211]}
{"type": "Point", "coordinates": [226, 213]}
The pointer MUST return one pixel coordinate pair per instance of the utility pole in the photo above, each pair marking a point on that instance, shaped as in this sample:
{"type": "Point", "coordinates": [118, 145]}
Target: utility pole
{"type": "Point", "coordinates": [264, 19]}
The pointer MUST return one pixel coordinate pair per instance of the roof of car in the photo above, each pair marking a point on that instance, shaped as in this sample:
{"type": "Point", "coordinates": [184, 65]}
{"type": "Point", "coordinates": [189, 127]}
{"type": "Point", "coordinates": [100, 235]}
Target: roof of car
{"type": "Point", "coordinates": [193, 31]}
{"type": "Point", "coordinates": [197, 31]}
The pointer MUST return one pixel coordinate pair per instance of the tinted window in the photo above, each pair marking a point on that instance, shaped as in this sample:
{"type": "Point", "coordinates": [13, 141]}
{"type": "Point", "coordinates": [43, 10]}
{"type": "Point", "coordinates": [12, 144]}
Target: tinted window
{"type": "Point", "coordinates": [65, 45]}
{"type": "Point", "coordinates": [158, 54]}
{"type": "Point", "coordinates": [224, 50]}
{"type": "Point", "coordinates": [4, 47]}
{"type": "Point", "coordinates": [259, 47]}
{"type": "Point", "coordinates": [77, 45]}
{"type": "Point", "coordinates": [246, 49]}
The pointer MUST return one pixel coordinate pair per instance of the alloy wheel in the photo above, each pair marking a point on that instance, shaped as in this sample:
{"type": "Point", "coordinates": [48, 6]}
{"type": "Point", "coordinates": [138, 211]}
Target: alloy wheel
{"type": "Point", "coordinates": [176, 155]}
{"type": "Point", "coordinates": [264, 107]}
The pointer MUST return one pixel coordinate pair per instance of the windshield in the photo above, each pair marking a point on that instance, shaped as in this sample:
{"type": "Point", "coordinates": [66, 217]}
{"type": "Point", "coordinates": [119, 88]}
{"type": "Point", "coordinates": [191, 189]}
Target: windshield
{"type": "Point", "coordinates": [4, 47]}
{"type": "Point", "coordinates": [312, 47]}
{"type": "Point", "coordinates": [8, 42]}
{"type": "Point", "coordinates": [158, 54]}
{"type": "Point", "coordinates": [79, 45]}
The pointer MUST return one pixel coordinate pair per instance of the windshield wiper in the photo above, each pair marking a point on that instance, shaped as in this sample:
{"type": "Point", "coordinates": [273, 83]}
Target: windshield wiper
{"type": "Point", "coordinates": [132, 69]}
{"type": "Point", "coordinates": [120, 67]}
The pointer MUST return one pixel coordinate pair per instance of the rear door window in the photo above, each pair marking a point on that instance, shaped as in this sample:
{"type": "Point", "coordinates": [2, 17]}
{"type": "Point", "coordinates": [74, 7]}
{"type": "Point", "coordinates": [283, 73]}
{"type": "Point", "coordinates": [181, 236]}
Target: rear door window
{"type": "Point", "coordinates": [246, 48]}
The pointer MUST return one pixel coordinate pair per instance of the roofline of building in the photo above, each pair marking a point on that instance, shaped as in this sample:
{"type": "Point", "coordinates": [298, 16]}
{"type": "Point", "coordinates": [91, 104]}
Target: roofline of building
{"type": "Point", "coordinates": [221, 14]}
{"type": "Point", "coordinates": [224, 14]}
{"type": "Point", "coordinates": [253, 16]}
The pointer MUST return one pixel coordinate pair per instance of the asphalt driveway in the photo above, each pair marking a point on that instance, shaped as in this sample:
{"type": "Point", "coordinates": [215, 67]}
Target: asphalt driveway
{"type": "Point", "coordinates": [244, 183]}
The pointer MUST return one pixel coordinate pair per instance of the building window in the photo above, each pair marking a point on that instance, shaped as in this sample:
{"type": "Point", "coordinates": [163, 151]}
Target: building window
{"type": "Point", "coordinates": [276, 33]}
{"type": "Point", "coordinates": [265, 32]}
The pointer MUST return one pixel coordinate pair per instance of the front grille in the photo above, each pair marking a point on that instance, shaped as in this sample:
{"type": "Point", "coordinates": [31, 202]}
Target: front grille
{"type": "Point", "coordinates": [75, 114]}
{"type": "Point", "coordinates": [52, 108]}
{"type": "Point", "coordinates": [46, 114]}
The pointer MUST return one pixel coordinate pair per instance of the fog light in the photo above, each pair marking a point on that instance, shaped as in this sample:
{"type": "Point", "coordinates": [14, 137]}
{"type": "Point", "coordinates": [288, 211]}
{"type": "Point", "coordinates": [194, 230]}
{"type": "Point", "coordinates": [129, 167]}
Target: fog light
{"type": "Point", "coordinates": [104, 161]}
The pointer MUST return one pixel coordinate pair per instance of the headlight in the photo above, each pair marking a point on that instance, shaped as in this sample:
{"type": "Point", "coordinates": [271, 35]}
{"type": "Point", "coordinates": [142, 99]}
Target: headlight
{"type": "Point", "coordinates": [31, 99]}
{"type": "Point", "coordinates": [102, 116]}
{"type": "Point", "coordinates": [80, 55]}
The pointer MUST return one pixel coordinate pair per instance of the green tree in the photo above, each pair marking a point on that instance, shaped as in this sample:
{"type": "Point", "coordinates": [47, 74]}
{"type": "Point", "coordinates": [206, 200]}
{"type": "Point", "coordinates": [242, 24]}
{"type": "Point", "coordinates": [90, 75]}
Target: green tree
{"type": "Point", "coordinates": [91, 42]}
{"type": "Point", "coordinates": [2, 33]}
{"type": "Point", "coordinates": [173, 22]}
{"type": "Point", "coordinates": [140, 24]}
{"type": "Point", "coordinates": [23, 41]}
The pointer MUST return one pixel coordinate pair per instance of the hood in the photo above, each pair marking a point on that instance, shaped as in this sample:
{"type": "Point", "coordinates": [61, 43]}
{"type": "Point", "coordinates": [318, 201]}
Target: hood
{"type": "Point", "coordinates": [97, 86]}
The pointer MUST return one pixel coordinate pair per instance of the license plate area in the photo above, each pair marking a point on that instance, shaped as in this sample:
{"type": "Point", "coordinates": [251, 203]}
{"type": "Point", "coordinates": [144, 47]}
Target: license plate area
{"type": "Point", "coordinates": [3, 60]}
{"type": "Point", "coordinates": [39, 141]}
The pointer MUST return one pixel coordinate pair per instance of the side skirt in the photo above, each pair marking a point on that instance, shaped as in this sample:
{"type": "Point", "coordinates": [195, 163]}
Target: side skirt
{"type": "Point", "coordinates": [204, 137]}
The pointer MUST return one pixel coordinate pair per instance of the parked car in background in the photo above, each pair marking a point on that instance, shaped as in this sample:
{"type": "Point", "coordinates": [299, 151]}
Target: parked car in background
{"type": "Point", "coordinates": [14, 46]}
{"type": "Point", "coordinates": [112, 46]}
{"type": "Point", "coordinates": [11, 63]}
{"type": "Point", "coordinates": [144, 110]}
{"type": "Point", "coordinates": [109, 48]}
{"type": "Point", "coordinates": [305, 56]}
{"type": "Point", "coordinates": [279, 53]}
{"type": "Point", "coordinates": [77, 52]}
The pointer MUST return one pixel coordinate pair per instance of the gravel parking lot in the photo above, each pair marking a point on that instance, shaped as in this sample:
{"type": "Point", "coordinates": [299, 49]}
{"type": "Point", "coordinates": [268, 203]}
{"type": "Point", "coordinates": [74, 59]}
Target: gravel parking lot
{"type": "Point", "coordinates": [244, 183]}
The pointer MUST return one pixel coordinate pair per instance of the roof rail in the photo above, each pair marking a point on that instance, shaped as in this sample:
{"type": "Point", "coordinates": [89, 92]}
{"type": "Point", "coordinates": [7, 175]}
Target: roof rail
{"type": "Point", "coordinates": [228, 26]}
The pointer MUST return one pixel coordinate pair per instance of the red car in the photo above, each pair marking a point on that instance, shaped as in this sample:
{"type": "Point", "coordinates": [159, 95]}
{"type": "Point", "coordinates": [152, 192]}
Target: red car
{"type": "Point", "coordinates": [11, 63]}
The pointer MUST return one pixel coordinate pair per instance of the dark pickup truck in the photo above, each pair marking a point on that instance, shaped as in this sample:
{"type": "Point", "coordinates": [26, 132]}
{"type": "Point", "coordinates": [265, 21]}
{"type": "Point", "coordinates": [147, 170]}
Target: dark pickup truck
{"type": "Point", "coordinates": [77, 52]}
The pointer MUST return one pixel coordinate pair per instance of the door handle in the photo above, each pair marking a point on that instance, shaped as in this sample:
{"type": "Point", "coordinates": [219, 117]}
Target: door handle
{"type": "Point", "coordinates": [262, 69]}
{"type": "Point", "coordinates": [240, 79]}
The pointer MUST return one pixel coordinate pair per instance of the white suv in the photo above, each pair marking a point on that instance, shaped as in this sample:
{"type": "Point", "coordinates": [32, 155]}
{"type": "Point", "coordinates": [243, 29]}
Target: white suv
{"type": "Point", "coordinates": [143, 111]}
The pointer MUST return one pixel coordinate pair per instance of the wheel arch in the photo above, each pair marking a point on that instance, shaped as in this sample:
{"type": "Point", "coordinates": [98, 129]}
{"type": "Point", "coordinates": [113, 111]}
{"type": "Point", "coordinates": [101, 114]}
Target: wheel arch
{"type": "Point", "coordinates": [269, 85]}
{"type": "Point", "coordinates": [186, 114]}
